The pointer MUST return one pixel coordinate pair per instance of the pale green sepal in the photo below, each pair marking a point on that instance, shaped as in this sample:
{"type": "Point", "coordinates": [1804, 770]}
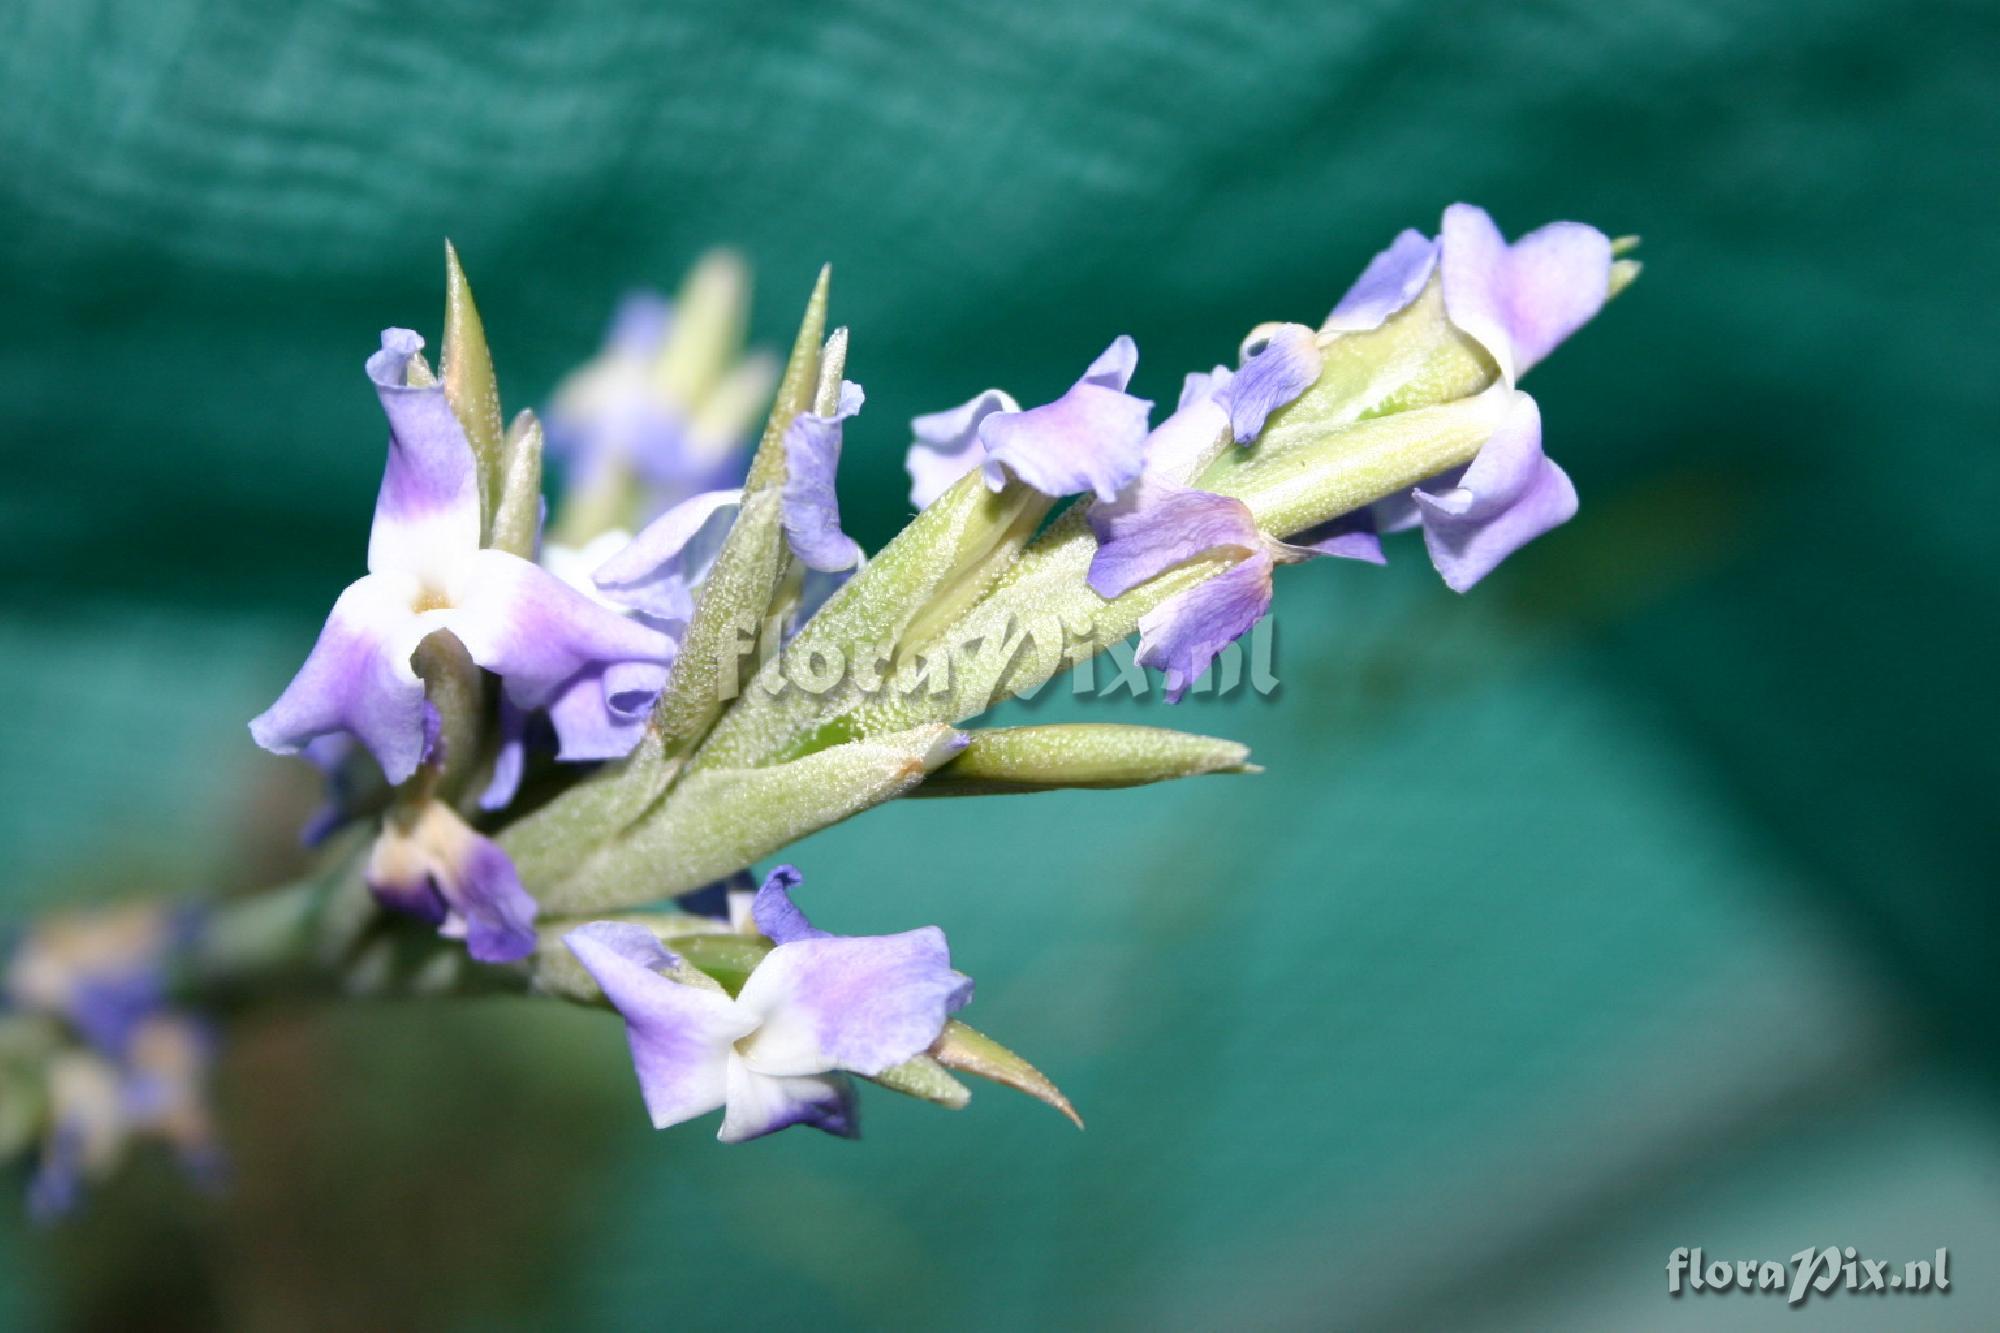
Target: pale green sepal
{"type": "Point", "coordinates": [717, 822]}
{"type": "Point", "coordinates": [456, 688]}
{"type": "Point", "coordinates": [728, 958]}
{"type": "Point", "coordinates": [1005, 760]}
{"type": "Point", "coordinates": [972, 1052]}
{"type": "Point", "coordinates": [466, 367]}
{"type": "Point", "coordinates": [1344, 468]}
{"type": "Point", "coordinates": [548, 843]}
{"type": "Point", "coordinates": [517, 523]}
{"type": "Point", "coordinates": [922, 1077]}
{"type": "Point", "coordinates": [1040, 617]}
{"type": "Point", "coordinates": [1624, 270]}
{"type": "Point", "coordinates": [720, 647]}
{"type": "Point", "coordinates": [558, 975]}
{"type": "Point", "coordinates": [944, 560]}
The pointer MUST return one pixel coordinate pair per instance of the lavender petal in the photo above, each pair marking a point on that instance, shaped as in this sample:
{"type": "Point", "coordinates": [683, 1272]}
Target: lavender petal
{"type": "Point", "coordinates": [1511, 494]}
{"type": "Point", "coordinates": [1520, 301]}
{"type": "Point", "coordinates": [860, 1003]}
{"type": "Point", "coordinates": [1183, 634]}
{"type": "Point", "coordinates": [808, 502]}
{"type": "Point", "coordinates": [1392, 280]}
{"type": "Point", "coordinates": [358, 680]}
{"type": "Point", "coordinates": [427, 511]}
{"type": "Point", "coordinates": [681, 1036]}
{"type": "Point", "coordinates": [1284, 367]}
{"type": "Point", "coordinates": [946, 444]}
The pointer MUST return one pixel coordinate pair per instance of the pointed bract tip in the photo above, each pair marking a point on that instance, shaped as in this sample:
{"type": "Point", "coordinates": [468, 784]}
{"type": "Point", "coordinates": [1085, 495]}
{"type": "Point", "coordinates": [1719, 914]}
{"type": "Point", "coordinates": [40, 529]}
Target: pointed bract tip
{"type": "Point", "coordinates": [1624, 272]}
{"type": "Point", "coordinates": [970, 1051]}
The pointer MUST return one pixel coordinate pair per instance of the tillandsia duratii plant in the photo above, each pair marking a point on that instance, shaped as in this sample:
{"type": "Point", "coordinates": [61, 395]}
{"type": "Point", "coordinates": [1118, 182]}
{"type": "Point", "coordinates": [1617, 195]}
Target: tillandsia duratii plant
{"type": "Point", "coordinates": [557, 736]}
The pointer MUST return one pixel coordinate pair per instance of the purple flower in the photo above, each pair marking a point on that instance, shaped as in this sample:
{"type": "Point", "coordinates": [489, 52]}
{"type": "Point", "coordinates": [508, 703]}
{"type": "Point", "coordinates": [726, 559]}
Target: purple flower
{"type": "Point", "coordinates": [426, 573]}
{"type": "Point", "coordinates": [1518, 302]}
{"type": "Point", "coordinates": [601, 713]}
{"type": "Point", "coordinates": [1090, 439]}
{"type": "Point", "coordinates": [1162, 525]}
{"type": "Point", "coordinates": [1509, 495]}
{"type": "Point", "coordinates": [431, 865]}
{"type": "Point", "coordinates": [816, 1008]}
{"type": "Point", "coordinates": [1161, 522]}
{"type": "Point", "coordinates": [616, 413]}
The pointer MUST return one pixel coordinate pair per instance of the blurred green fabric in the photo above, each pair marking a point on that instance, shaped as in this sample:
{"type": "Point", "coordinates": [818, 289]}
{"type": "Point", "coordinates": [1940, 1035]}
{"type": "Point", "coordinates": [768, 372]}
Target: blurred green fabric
{"type": "Point", "coordinates": [1640, 899]}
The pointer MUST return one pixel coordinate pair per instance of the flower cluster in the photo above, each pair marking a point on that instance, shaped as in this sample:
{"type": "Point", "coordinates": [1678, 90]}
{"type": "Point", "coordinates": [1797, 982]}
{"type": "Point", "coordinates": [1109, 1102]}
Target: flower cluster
{"type": "Point", "coordinates": [113, 1062]}
{"type": "Point", "coordinates": [534, 718]}
{"type": "Point", "coordinates": [1517, 302]}
{"type": "Point", "coordinates": [480, 657]}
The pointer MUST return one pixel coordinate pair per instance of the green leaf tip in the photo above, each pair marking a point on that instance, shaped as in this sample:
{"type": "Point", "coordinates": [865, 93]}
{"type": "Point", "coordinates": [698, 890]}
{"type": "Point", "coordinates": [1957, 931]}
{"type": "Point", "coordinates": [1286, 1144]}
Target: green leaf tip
{"type": "Point", "coordinates": [1006, 760]}
{"type": "Point", "coordinates": [750, 571]}
{"type": "Point", "coordinates": [517, 518]}
{"type": "Point", "coordinates": [466, 367]}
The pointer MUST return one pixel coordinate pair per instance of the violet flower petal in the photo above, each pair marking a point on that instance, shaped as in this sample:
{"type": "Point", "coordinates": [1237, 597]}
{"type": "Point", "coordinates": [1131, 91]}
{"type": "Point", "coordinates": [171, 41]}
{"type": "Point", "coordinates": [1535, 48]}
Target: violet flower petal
{"type": "Point", "coordinates": [1178, 446]}
{"type": "Point", "coordinates": [1520, 301]}
{"type": "Point", "coordinates": [535, 631]}
{"type": "Point", "coordinates": [1272, 376]}
{"type": "Point", "coordinates": [658, 570]}
{"type": "Point", "coordinates": [358, 679]}
{"type": "Point", "coordinates": [510, 761]}
{"type": "Point", "coordinates": [1392, 280]}
{"type": "Point", "coordinates": [1092, 438]}
{"type": "Point", "coordinates": [1183, 634]}
{"type": "Point", "coordinates": [946, 444]}
{"type": "Point", "coordinates": [427, 511]}
{"type": "Point", "coordinates": [439, 870]}
{"type": "Point", "coordinates": [681, 1036]}
{"type": "Point", "coordinates": [860, 1003]}
{"type": "Point", "coordinates": [808, 503]}
{"type": "Point", "coordinates": [587, 727]}
{"type": "Point", "coordinates": [1349, 537]}
{"type": "Point", "coordinates": [778, 918]}
{"type": "Point", "coordinates": [1170, 526]}
{"type": "Point", "coordinates": [1511, 494]}
{"type": "Point", "coordinates": [760, 1104]}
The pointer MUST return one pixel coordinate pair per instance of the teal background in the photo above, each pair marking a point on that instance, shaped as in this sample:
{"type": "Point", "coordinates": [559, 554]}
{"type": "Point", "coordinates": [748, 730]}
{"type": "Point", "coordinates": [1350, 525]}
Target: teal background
{"type": "Point", "coordinates": [1640, 899]}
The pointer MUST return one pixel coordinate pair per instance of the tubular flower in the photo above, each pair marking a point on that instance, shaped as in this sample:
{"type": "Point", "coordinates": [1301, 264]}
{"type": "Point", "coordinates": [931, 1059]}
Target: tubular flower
{"type": "Point", "coordinates": [428, 573]}
{"type": "Point", "coordinates": [1518, 302]}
